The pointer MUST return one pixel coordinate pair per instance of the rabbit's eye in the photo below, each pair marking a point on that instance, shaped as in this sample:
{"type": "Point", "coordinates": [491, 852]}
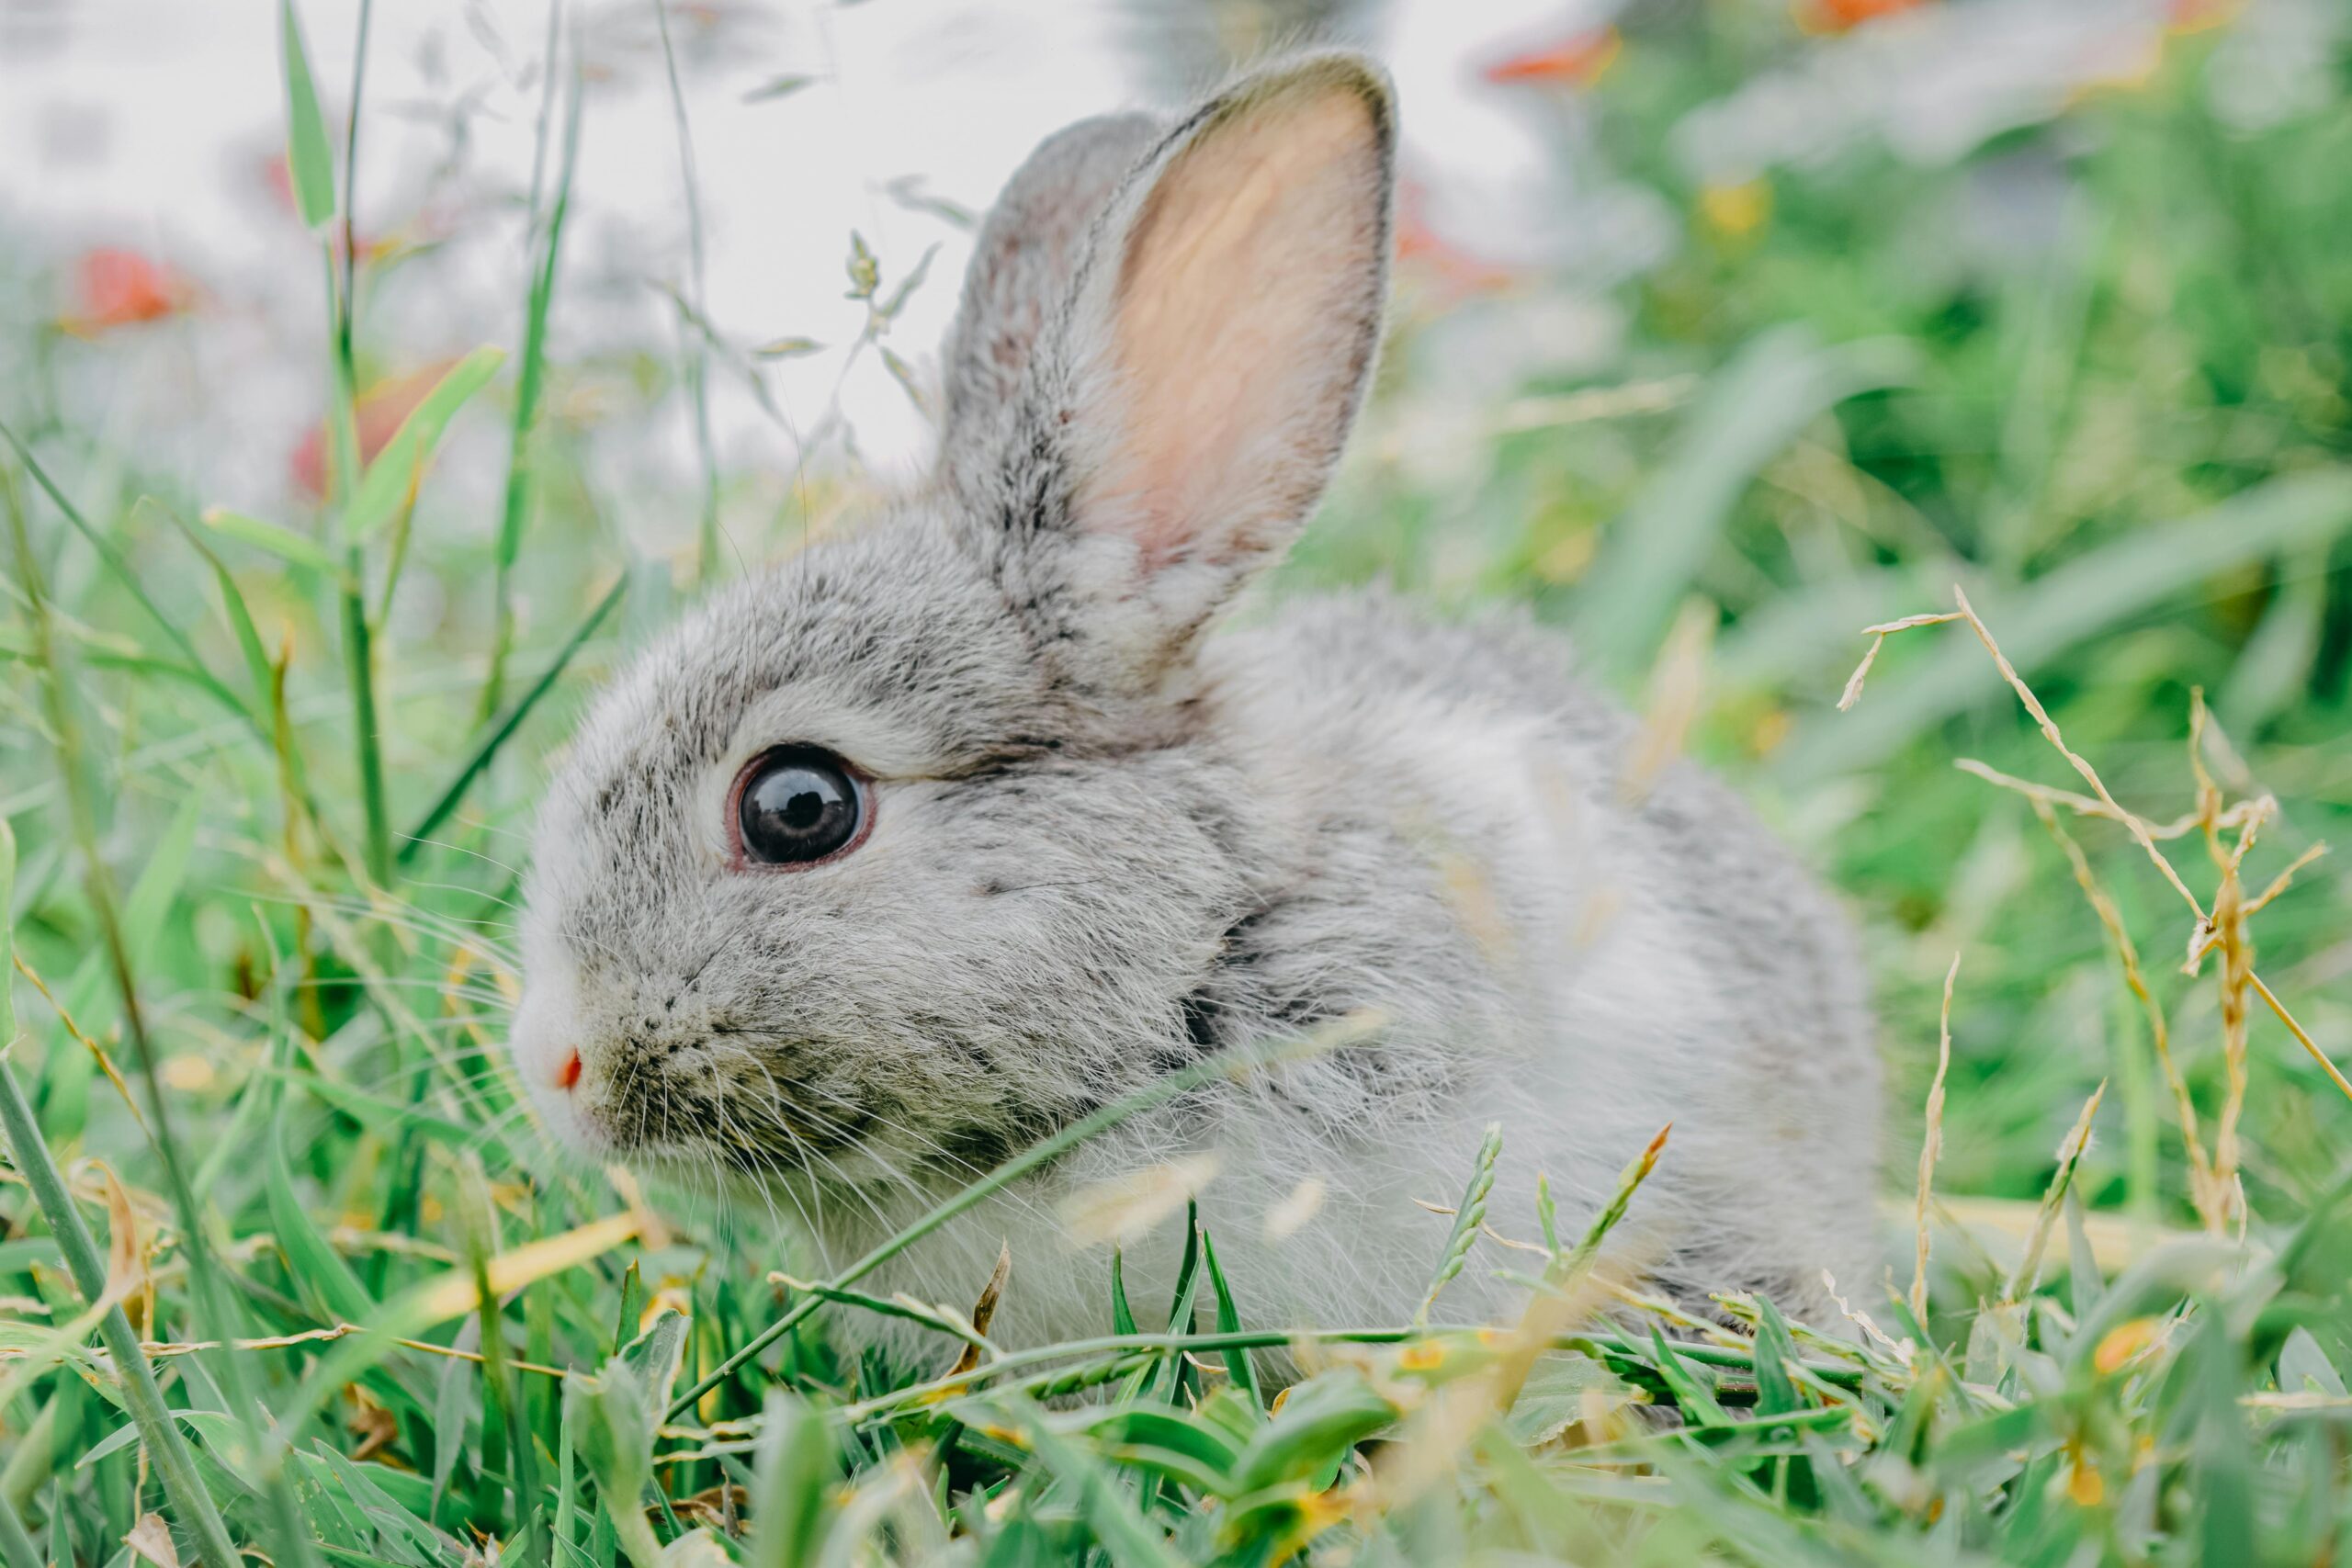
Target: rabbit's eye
{"type": "Point", "coordinates": [796, 806]}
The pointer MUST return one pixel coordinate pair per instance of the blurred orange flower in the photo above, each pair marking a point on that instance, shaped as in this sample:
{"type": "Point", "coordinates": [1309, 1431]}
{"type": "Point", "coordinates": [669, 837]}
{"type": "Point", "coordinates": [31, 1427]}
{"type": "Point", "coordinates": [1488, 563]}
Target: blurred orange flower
{"type": "Point", "coordinates": [117, 288]}
{"type": "Point", "coordinates": [1576, 61]}
{"type": "Point", "coordinates": [377, 413]}
{"type": "Point", "coordinates": [1840, 16]}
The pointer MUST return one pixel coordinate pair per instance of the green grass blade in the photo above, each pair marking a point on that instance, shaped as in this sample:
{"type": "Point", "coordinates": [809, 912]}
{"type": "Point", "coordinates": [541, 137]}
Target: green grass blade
{"type": "Point", "coordinates": [487, 749]}
{"type": "Point", "coordinates": [1238, 1364]}
{"type": "Point", "coordinates": [2067, 607]}
{"type": "Point", "coordinates": [359, 662]}
{"type": "Point", "coordinates": [310, 161]}
{"type": "Point", "coordinates": [792, 1491]}
{"type": "Point", "coordinates": [316, 1267]}
{"type": "Point", "coordinates": [119, 567]}
{"type": "Point", "coordinates": [30, 1155]}
{"type": "Point", "coordinates": [1123, 1316]}
{"type": "Point", "coordinates": [16, 1548]}
{"type": "Point", "coordinates": [391, 480]}
{"type": "Point", "coordinates": [1124, 1535]}
{"type": "Point", "coordinates": [1752, 410]}
{"type": "Point", "coordinates": [282, 542]}
{"type": "Point", "coordinates": [234, 608]}
{"type": "Point", "coordinates": [1226, 1065]}
{"type": "Point", "coordinates": [514, 509]}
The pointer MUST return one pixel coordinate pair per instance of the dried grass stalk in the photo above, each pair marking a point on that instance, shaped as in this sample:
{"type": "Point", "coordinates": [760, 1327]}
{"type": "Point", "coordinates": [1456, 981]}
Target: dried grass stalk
{"type": "Point", "coordinates": [1930, 1149]}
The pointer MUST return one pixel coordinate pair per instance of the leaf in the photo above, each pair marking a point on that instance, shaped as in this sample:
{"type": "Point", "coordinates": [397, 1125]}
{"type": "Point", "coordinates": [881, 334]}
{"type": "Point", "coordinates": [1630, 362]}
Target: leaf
{"type": "Point", "coordinates": [776, 87]}
{"type": "Point", "coordinates": [1552, 1397]}
{"type": "Point", "coordinates": [984, 1310]}
{"type": "Point", "coordinates": [151, 1539]}
{"type": "Point", "coordinates": [1124, 1535]}
{"type": "Point", "coordinates": [1123, 1317]}
{"type": "Point", "coordinates": [1690, 1388]}
{"type": "Point", "coordinates": [659, 1351]}
{"type": "Point", "coordinates": [616, 1421]}
{"type": "Point", "coordinates": [908, 191]}
{"type": "Point", "coordinates": [1776, 1392]}
{"type": "Point", "coordinates": [1322, 1418]}
{"type": "Point", "coordinates": [282, 542]}
{"type": "Point", "coordinates": [2303, 1367]}
{"type": "Point", "coordinates": [909, 382]}
{"type": "Point", "coordinates": [449, 1403]}
{"type": "Point", "coordinates": [889, 309]}
{"type": "Point", "coordinates": [390, 484]}
{"type": "Point", "coordinates": [796, 1468]}
{"type": "Point", "coordinates": [1238, 1364]}
{"type": "Point", "coordinates": [2220, 1472]}
{"type": "Point", "coordinates": [2083, 1282]}
{"type": "Point", "coordinates": [309, 162]}
{"type": "Point", "coordinates": [1149, 1427]}
{"type": "Point", "coordinates": [161, 881]}
{"type": "Point", "coordinates": [398, 1527]}
{"type": "Point", "coordinates": [233, 604]}
{"type": "Point", "coordinates": [2275, 665]}
{"type": "Point", "coordinates": [318, 1271]}
{"type": "Point", "coordinates": [864, 272]}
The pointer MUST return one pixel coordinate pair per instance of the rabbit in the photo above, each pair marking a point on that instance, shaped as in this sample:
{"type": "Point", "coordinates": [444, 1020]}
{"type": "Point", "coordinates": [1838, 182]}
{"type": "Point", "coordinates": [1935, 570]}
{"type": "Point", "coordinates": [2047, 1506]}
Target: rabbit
{"type": "Point", "coordinates": [956, 826]}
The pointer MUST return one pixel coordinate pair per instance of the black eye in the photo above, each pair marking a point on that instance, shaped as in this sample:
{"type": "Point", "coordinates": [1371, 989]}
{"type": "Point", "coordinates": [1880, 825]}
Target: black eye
{"type": "Point", "coordinates": [799, 804]}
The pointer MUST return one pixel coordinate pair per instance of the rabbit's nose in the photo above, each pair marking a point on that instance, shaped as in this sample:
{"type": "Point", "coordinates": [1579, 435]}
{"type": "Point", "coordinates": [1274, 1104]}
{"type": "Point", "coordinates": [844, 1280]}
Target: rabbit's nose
{"type": "Point", "coordinates": [568, 1075]}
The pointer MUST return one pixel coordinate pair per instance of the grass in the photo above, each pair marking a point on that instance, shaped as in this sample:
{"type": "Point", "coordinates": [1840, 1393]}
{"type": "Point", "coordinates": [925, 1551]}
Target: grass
{"type": "Point", "coordinates": [283, 1269]}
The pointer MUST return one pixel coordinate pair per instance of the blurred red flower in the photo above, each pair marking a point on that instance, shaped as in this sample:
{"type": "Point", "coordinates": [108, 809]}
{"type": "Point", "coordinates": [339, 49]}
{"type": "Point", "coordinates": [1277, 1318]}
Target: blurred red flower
{"type": "Point", "coordinates": [378, 414]}
{"type": "Point", "coordinates": [1842, 15]}
{"type": "Point", "coordinates": [117, 288]}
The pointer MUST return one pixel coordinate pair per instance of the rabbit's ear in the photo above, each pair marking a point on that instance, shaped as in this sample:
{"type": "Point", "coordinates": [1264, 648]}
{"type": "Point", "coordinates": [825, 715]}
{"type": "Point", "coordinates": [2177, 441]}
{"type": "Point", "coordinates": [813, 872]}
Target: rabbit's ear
{"type": "Point", "coordinates": [1224, 330]}
{"type": "Point", "coordinates": [1021, 269]}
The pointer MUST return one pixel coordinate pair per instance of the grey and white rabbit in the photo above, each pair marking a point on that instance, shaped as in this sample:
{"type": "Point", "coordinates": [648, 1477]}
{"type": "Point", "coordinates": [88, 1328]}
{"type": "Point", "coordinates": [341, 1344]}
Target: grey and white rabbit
{"type": "Point", "coordinates": [942, 833]}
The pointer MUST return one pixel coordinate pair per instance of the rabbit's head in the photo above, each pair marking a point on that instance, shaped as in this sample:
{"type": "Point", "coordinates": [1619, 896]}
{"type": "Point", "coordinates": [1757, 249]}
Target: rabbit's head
{"type": "Point", "coordinates": [922, 843]}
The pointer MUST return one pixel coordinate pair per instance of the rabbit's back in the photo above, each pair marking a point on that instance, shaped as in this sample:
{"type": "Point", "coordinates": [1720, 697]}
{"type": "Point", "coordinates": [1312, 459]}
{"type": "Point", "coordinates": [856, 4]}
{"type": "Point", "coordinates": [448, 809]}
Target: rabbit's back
{"type": "Point", "coordinates": [1605, 947]}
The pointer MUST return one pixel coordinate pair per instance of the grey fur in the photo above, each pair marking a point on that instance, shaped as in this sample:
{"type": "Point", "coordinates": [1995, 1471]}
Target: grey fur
{"type": "Point", "coordinates": [1022, 266]}
{"type": "Point", "coordinates": [1105, 844]}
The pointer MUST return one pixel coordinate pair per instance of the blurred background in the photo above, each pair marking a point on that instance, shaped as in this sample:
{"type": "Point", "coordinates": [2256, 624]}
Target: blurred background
{"type": "Point", "coordinates": [1725, 328]}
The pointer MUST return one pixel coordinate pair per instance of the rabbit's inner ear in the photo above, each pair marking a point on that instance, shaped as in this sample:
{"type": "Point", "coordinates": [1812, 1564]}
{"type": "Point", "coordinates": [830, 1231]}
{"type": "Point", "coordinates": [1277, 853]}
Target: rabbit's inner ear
{"type": "Point", "coordinates": [1242, 319]}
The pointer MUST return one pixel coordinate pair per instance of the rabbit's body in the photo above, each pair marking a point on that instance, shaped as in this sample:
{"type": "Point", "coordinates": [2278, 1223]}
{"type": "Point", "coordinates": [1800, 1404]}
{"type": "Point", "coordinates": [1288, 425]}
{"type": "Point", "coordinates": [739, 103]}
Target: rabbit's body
{"type": "Point", "coordinates": [1092, 845]}
{"type": "Point", "coordinates": [1464, 859]}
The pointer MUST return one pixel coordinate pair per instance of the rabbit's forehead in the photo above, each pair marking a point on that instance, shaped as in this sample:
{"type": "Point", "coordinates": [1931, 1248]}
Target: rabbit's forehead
{"type": "Point", "coordinates": [892, 649]}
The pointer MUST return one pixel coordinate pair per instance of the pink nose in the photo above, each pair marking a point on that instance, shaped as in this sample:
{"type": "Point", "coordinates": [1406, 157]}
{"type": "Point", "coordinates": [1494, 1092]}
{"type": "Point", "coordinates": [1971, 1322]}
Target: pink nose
{"type": "Point", "coordinates": [569, 1074]}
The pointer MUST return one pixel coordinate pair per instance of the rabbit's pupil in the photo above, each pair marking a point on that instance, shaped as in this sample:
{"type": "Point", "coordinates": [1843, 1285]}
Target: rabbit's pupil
{"type": "Point", "coordinates": [797, 805]}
